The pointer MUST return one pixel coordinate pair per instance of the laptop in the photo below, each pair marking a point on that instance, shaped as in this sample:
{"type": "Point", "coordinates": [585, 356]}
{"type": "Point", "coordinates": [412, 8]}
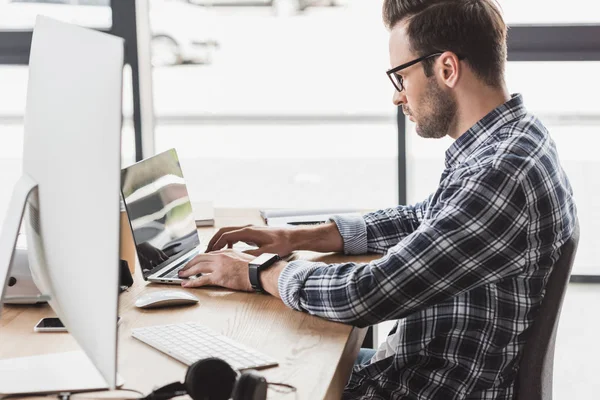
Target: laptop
{"type": "Point", "coordinates": [161, 216]}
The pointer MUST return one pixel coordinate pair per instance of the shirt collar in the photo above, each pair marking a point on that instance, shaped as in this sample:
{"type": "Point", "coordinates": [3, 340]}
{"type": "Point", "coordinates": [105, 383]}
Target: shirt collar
{"type": "Point", "coordinates": [468, 142]}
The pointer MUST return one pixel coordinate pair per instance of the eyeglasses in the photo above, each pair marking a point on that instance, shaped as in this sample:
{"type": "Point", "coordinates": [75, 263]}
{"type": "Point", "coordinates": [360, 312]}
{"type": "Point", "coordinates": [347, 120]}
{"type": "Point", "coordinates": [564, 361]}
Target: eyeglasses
{"type": "Point", "coordinates": [397, 80]}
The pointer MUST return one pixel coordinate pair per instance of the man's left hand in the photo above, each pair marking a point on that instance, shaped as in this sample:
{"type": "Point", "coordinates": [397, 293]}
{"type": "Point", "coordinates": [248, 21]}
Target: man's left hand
{"type": "Point", "coordinates": [226, 268]}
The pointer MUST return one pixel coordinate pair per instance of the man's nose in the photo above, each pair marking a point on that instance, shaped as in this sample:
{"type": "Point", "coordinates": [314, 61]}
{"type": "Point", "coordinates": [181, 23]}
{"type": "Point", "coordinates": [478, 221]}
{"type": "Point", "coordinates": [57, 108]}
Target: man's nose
{"type": "Point", "coordinates": [399, 98]}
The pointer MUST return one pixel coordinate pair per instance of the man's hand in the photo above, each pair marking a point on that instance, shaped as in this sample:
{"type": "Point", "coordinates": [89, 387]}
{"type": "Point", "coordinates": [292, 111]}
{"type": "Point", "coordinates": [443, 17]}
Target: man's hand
{"type": "Point", "coordinates": [268, 239]}
{"type": "Point", "coordinates": [226, 268]}
{"type": "Point", "coordinates": [229, 269]}
{"type": "Point", "coordinates": [322, 238]}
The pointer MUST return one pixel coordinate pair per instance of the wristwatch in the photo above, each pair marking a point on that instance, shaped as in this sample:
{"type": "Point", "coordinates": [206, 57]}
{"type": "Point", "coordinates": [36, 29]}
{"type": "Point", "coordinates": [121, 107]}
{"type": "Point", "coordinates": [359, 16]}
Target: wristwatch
{"type": "Point", "coordinates": [256, 266]}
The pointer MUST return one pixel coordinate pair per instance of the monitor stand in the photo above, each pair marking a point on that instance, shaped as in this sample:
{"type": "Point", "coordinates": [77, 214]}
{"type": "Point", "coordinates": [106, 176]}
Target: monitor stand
{"type": "Point", "coordinates": [48, 373]}
{"type": "Point", "coordinates": [10, 229]}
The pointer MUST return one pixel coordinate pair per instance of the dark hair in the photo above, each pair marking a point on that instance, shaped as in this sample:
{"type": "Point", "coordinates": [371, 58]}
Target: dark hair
{"type": "Point", "coordinates": [473, 29]}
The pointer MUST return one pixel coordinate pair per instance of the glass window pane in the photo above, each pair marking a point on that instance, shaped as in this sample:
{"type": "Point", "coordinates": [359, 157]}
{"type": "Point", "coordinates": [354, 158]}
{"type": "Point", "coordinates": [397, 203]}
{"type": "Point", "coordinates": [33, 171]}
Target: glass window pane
{"type": "Point", "coordinates": [286, 164]}
{"type": "Point", "coordinates": [284, 111]}
{"type": "Point", "coordinates": [539, 12]}
{"type": "Point", "coordinates": [21, 14]}
{"type": "Point", "coordinates": [564, 96]}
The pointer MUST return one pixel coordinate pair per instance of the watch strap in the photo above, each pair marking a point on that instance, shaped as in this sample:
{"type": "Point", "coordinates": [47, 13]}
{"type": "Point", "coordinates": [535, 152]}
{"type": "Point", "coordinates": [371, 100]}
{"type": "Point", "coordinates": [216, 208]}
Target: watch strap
{"type": "Point", "coordinates": [256, 266]}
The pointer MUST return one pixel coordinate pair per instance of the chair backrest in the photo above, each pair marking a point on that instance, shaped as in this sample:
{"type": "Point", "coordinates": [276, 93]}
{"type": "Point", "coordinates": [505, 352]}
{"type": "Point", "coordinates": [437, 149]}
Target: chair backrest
{"type": "Point", "coordinates": [534, 379]}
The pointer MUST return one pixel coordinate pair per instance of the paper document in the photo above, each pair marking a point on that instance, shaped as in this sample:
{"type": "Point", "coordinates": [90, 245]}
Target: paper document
{"type": "Point", "coordinates": [296, 217]}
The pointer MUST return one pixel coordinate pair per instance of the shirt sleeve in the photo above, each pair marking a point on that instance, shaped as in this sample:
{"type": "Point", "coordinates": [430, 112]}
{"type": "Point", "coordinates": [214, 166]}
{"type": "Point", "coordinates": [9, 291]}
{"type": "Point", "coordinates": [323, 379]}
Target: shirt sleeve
{"type": "Point", "coordinates": [385, 228]}
{"type": "Point", "coordinates": [378, 231]}
{"type": "Point", "coordinates": [474, 234]}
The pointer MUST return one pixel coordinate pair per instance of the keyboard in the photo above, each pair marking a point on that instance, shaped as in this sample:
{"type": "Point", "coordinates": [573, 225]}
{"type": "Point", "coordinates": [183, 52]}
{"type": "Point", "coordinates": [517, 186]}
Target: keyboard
{"type": "Point", "coordinates": [190, 342]}
{"type": "Point", "coordinates": [172, 274]}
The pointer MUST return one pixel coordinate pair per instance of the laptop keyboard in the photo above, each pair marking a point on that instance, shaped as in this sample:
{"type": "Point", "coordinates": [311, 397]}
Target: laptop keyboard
{"type": "Point", "coordinates": [190, 342]}
{"type": "Point", "coordinates": [174, 273]}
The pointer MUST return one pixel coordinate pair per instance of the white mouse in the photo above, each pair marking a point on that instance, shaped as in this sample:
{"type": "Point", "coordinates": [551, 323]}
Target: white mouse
{"type": "Point", "coordinates": [165, 298]}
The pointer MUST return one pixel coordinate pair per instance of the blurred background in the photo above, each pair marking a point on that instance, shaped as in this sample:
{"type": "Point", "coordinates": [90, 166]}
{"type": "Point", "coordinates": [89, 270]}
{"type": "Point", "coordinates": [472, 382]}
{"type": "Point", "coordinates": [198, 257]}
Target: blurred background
{"type": "Point", "coordinates": [285, 103]}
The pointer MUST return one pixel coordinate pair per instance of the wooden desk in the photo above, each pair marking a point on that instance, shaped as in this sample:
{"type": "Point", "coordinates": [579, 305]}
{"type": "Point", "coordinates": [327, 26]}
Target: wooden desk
{"type": "Point", "coordinates": [314, 355]}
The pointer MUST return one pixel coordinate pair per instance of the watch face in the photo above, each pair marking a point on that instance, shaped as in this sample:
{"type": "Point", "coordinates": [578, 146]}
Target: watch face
{"type": "Point", "coordinates": [260, 260]}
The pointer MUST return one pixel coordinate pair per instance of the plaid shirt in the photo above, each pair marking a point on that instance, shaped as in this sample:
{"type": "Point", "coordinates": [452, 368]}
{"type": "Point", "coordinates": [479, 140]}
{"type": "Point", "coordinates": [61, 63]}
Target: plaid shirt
{"type": "Point", "coordinates": [463, 272]}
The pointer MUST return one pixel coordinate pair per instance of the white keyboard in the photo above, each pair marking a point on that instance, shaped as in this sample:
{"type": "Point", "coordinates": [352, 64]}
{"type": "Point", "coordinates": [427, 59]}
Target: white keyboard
{"type": "Point", "coordinates": [190, 342]}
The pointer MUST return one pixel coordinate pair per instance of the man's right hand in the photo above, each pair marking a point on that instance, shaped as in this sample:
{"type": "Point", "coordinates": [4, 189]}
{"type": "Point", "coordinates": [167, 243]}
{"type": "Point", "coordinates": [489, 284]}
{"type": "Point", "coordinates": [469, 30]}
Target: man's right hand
{"type": "Point", "coordinates": [322, 238]}
{"type": "Point", "coordinates": [268, 239]}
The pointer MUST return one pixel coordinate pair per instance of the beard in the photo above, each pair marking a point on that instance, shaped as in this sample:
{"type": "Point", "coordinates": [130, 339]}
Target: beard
{"type": "Point", "coordinates": [441, 108]}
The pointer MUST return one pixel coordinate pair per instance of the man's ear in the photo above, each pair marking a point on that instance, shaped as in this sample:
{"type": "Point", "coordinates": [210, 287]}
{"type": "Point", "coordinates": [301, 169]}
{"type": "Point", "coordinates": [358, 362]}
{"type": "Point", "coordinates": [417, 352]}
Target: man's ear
{"type": "Point", "coordinates": [450, 68]}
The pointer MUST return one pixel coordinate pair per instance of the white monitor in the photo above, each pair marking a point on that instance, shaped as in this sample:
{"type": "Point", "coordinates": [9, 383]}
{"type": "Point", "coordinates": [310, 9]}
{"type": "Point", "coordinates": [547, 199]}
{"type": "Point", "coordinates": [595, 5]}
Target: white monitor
{"type": "Point", "coordinates": [70, 191]}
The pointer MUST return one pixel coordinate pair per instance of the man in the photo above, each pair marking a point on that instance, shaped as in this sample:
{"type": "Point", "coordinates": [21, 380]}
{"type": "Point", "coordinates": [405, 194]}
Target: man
{"type": "Point", "coordinates": [464, 271]}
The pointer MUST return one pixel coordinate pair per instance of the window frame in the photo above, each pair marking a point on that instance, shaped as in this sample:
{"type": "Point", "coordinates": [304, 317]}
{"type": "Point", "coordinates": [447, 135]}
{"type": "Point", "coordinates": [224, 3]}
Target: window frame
{"type": "Point", "coordinates": [15, 47]}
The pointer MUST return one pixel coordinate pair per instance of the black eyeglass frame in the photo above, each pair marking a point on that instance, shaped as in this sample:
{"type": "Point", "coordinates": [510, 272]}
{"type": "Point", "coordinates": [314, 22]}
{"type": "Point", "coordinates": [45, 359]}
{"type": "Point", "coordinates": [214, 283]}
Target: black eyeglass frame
{"type": "Point", "coordinates": [393, 71]}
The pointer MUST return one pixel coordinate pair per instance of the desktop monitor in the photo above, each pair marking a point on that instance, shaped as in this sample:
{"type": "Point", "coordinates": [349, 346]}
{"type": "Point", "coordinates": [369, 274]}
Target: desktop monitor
{"type": "Point", "coordinates": [70, 189]}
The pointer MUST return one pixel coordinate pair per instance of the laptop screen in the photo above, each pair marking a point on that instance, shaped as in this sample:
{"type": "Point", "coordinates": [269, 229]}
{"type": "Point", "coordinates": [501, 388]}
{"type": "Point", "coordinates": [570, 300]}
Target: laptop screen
{"type": "Point", "coordinates": [159, 210]}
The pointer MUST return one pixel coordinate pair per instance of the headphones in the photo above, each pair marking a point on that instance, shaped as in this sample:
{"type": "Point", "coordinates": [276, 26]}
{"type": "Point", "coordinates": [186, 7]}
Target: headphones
{"type": "Point", "coordinates": [214, 379]}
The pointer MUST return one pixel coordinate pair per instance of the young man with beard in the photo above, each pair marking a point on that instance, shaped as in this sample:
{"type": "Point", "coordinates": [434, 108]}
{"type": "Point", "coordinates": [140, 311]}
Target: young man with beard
{"type": "Point", "coordinates": [462, 272]}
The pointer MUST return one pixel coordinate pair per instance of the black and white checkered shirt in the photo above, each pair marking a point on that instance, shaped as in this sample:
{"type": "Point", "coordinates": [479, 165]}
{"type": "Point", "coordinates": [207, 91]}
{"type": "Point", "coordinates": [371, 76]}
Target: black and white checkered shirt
{"type": "Point", "coordinates": [463, 272]}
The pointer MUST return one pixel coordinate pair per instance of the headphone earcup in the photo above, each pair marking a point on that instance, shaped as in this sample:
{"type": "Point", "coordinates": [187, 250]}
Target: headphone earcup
{"type": "Point", "coordinates": [250, 386]}
{"type": "Point", "coordinates": [210, 379]}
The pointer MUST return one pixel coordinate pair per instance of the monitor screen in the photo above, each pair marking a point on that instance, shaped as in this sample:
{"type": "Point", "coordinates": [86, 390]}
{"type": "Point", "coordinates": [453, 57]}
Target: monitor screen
{"type": "Point", "coordinates": [159, 210]}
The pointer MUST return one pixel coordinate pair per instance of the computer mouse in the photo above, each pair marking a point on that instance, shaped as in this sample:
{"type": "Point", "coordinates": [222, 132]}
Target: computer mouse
{"type": "Point", "coordinates": [165, 298]}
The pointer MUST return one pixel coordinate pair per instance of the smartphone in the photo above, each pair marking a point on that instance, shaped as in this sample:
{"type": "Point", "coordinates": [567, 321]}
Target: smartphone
{"type": "Point", "coordinates": [54, 325]}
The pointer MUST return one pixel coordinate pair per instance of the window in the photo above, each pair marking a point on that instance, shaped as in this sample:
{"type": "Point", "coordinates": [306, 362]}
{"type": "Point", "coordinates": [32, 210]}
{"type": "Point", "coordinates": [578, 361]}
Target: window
{"type": "Point", "coordinates": [544, 12]}
{"type": "Point", "coordinates": [20, 15]}
{"type": "Point", "coordinates": [17, 19]}
{"type": "Point", "coordinates": [276, 106]}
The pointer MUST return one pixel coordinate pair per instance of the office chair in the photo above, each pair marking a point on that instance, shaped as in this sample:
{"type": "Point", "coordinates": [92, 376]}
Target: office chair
{"type": "Point", "coordinates": [534, 378]}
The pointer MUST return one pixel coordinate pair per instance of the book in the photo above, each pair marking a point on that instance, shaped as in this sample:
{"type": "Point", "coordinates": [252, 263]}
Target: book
{"type": "Point", "coordinates": [204, 213]}
{"type": "Point", "coordinates": [295, 217]}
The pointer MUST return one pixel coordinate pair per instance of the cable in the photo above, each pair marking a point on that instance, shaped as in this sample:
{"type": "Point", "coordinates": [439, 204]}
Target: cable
{"type": "Point", "coordinates": [288, 388]}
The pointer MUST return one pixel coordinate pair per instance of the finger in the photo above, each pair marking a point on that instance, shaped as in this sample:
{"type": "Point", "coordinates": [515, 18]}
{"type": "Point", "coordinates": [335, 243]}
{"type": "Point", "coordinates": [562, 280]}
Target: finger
{"type": "Point", "coordinates": [213, 239]}
{"type": "Point", "coordinates": [220, 232]}
{"type": "Point", "coordinates": [200, 258]}
{"type": "Point", "coordinates": [222, 251]}
{"type": "Point", "coordinates": [203, 280]}
{"type": "Point", "coordinates": [254, 252]}
{"type": "Point", "coordinates": [200, 268]}
{"type": "Point", "coordinates": [241, 235]}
